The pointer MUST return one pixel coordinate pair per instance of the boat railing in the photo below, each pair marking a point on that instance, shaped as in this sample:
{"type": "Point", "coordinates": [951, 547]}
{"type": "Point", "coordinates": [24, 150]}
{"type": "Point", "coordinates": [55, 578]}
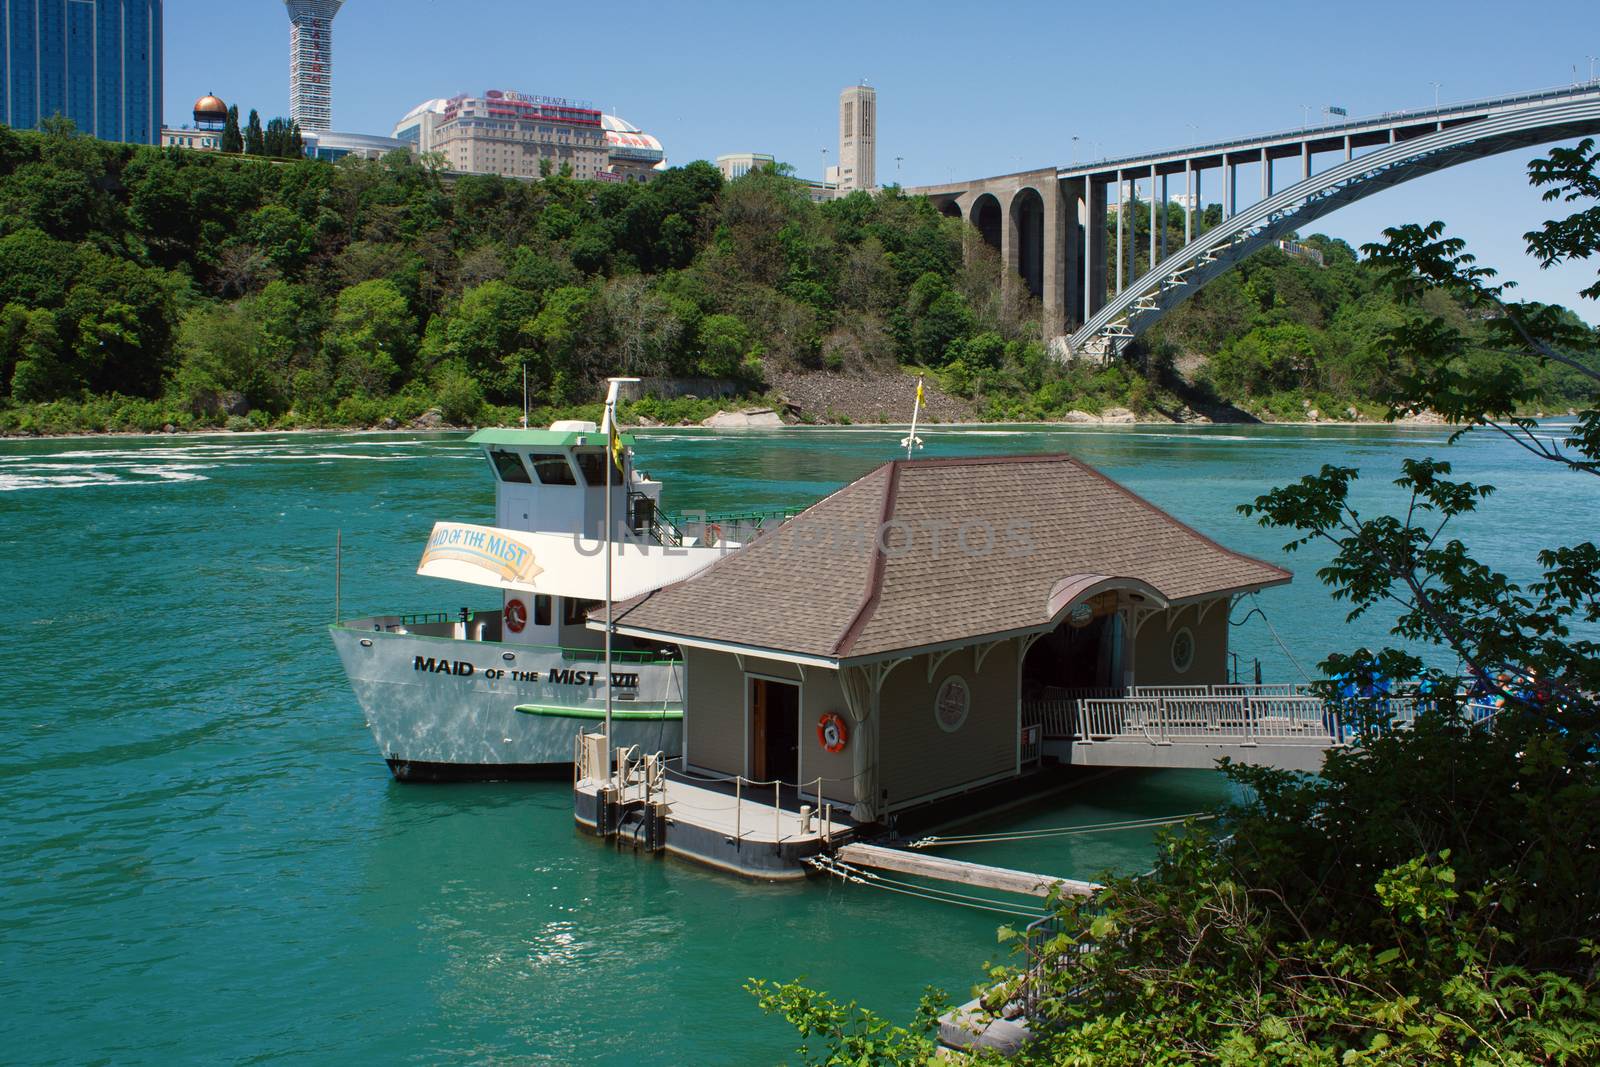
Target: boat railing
{"type": "Point", "coordinates": [413, 622]}
{"type": "Point", "coordinates": [426, 618]}
{"type": "Point", "coordinates": [739, 527]}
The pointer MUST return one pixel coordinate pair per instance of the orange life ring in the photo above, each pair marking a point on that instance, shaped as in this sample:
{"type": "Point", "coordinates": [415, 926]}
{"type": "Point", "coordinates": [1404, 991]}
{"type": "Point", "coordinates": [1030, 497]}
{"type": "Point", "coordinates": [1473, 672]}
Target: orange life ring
{"type": "Point", "coordinates": [516, 615]}
{"type": "Point", "coordinates": [832, 733]}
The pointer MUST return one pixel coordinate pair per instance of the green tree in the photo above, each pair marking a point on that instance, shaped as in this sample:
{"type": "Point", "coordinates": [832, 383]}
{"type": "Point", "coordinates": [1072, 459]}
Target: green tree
{"type": "Point", "coordinates": [282, 236]}
{"type": "Point", "coordinates": [232, 140]}
{"type": "Point", "coordinates": [486, 335]}
{"type": "Point", "coordinates": [255, 141]}
{"type": "Point", "coordinates": [369, 338]}
{"type": "Point", "coordinates": [557, 334]}
{"type": "Point", "coordinates": [724, 343]}
{"type": "Point", "coordinates": [40, 370]}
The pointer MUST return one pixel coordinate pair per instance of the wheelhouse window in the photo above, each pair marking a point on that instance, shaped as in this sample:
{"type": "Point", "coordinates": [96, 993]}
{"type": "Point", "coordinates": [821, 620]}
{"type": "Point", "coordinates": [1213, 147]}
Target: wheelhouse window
{"type": "Point", "coordinates": [541, 609]}
{"type": "Point", "coordinates": [593, 466]}
{"type": "Point", "coordinates": [552, 469]}
{"type": "Point", "coordinates": [575, 612]}
{"type": "Point", "coordinates": [508, 465]}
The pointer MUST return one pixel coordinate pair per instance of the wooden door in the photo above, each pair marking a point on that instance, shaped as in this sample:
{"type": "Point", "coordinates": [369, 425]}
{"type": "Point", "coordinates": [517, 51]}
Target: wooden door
{"type": "Point", "coordinates": [758, 728]}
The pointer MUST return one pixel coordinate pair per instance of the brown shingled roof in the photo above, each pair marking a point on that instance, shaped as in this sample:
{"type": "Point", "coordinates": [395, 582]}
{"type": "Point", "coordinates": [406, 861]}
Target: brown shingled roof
{"type": "Point", "coordinates": [936, 551]}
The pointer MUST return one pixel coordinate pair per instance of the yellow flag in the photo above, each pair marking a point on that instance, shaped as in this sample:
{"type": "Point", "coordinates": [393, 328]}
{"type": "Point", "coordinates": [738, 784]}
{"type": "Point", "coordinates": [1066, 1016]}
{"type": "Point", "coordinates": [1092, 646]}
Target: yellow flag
{"type": "Point", "coordinates": [919, 390]}
{"type": "Point", "coordinates": [616, 444]}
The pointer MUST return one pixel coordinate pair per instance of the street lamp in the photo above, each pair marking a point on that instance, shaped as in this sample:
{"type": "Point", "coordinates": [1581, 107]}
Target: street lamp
{"type": "Point", "coordinates": [1435, 93]}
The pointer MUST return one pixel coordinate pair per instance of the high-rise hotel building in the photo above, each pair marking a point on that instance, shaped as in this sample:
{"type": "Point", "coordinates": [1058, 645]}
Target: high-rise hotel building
{"type": "Point", "coordinates": [858, 139]}
{"type": "Point", "coordinates": [311, 62]}
{"type": "Point", "coordinates": [509, 133]}
{"type": "Point", "coordinates": [96, 62]}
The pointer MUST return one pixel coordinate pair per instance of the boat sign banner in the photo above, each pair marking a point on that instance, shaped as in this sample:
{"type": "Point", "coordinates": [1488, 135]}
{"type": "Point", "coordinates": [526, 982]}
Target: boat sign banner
{"type": "Point", "coordinates": [470, 553]}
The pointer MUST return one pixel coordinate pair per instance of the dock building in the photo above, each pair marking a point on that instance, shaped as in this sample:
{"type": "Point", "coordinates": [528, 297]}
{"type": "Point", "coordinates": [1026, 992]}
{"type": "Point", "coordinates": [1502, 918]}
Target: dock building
{"type": "Point", "coordinates": [881, 650]}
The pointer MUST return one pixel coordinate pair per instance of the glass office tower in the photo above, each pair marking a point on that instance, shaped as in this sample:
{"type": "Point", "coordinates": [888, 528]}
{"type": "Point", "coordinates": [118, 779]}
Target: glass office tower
{"type": "Point", "coordinates": [96, 62]}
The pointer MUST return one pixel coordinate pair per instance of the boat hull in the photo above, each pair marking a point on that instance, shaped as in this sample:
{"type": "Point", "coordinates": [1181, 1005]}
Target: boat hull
{"type": "Point", "coordinates": [445, 709]}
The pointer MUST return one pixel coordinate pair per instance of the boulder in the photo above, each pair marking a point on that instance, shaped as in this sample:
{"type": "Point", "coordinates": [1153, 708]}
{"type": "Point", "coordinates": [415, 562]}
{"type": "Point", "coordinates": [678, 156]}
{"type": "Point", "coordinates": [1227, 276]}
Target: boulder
{"type": "Point", "coordinates": [432, 419]}
{"type": "Point", "coordinates": [750, 418]}
{"type": "Point", "coordinates": [1313, 414]}
{"type": "Point", "coordinates": [1118, 415]}
{"type": "Point", "coordinates": [388, 423]}
{"type": "Point", "coordinates": [1079, 416]}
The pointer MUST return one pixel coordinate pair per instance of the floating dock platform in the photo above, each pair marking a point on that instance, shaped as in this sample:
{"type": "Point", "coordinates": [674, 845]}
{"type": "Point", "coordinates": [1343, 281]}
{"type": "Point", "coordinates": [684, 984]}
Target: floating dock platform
{"type": "Point", "coordinates": [732, 826]}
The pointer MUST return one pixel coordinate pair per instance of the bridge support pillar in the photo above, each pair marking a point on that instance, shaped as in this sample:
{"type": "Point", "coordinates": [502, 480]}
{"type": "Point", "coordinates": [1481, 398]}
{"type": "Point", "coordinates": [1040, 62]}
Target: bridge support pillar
{"type": "Point", "coordinates": [1154, 225]}
{"type": "Point", "coordinates": [1069, 255]}
{"type": "Point", "coordinates": [1163, 224]}
{"type": "Point", "coordinates": [1230, 194]}
{"type": "Point", "coordinates": [1122, 214]}
{"type": "Point", "coordinates": [1053, 256]}
{"type": "Point", "coordinates": [1094, 273]}
{"type": "Point", "coordinates": [1191, 225]}
{"type": "Point", "coordinates": [1266, 175]}
{"type": "Point", "coordinates": [1010, 254]}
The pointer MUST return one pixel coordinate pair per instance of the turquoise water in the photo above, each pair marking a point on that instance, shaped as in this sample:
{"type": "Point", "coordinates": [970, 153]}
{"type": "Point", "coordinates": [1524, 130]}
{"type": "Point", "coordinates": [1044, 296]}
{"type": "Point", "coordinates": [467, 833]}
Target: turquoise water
{"type": "Point", "coordinates": [204, 858]}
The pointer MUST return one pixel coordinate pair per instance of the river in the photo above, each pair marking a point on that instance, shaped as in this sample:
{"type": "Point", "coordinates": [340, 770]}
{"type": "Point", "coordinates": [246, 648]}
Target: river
{"type": "Point", "coordinates": [205, 859]}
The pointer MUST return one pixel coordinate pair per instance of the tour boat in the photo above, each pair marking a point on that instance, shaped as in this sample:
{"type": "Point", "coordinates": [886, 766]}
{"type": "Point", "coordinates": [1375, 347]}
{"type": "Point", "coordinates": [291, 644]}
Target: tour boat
{"type": "Point", "coordinates": [498, 694]}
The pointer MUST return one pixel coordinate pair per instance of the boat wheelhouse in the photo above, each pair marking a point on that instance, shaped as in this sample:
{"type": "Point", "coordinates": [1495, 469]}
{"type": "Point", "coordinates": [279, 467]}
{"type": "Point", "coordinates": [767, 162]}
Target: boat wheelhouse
{"type": "Point", "coordinates": [501, 690]}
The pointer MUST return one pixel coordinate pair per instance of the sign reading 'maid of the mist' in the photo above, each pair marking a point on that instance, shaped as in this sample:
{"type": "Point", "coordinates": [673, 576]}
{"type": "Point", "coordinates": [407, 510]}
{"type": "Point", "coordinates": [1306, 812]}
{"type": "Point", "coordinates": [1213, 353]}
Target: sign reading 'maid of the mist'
{"type": "Point", "coordinates": [453, 545]}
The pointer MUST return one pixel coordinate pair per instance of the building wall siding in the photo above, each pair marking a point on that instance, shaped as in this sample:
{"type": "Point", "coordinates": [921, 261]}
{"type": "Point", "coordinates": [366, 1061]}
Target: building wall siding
{"type": "Point", "coordinates": [715, 730]}
{"type": "Point", "coordinates": [1153, 649]}
{"type": "Point", "coordinates": [917, 757]}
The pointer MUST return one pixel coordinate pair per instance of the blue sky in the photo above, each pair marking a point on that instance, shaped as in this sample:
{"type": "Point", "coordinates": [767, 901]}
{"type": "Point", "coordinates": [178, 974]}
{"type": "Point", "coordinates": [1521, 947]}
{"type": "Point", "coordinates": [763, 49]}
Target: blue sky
{"type": "Point", "coordinates": [963, 89]}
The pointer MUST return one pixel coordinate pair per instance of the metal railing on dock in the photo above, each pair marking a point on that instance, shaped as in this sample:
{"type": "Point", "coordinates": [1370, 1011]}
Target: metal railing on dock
{"type": "Point", "coordinates": [650, 779]}
{"type": "Point", "coordinates": [1234, 713]}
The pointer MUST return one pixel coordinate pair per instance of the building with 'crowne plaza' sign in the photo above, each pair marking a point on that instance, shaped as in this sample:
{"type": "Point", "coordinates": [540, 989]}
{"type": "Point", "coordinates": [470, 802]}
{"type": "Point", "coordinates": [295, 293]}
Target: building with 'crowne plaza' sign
{"type": "Point", "coordinates": [519, 135]}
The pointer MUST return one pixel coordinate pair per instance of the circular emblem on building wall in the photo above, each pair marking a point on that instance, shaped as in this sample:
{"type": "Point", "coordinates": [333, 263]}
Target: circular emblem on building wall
{"type": "Point", "coordinates": [1183, 650]}
{"type": "Point", "coordinates": [952, 703]}
{"type": "Point", "coordinates": [1080, 616]}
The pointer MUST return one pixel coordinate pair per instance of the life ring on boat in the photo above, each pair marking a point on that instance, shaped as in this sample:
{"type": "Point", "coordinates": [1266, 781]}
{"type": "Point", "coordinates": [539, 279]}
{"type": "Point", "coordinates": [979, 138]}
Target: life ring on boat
{"type": "Point", "coordinates": [832, 733]}
{"type": "Point", "coordinates": [516, 615]}
{"type": "Point", "coordinates": [713, 536]}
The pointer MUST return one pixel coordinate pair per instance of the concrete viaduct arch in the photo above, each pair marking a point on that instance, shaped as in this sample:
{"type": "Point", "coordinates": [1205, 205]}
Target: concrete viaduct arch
{"type": "Point", "coordinates": [1054, 235]}
{"type": "Point", "coordinates": [1023, 217]}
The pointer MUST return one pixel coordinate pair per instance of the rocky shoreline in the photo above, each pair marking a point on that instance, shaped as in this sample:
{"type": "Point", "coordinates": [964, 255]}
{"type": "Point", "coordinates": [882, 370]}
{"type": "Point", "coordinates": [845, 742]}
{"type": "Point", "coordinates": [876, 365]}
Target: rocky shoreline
{"type": "Point", "coordinates": [830, 399]}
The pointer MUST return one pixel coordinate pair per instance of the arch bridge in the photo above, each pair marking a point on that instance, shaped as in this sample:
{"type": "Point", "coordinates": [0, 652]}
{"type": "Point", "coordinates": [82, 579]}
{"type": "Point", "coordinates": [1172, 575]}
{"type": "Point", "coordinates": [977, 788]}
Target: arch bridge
{"type": "Point", "coordinates": [1099, 290]}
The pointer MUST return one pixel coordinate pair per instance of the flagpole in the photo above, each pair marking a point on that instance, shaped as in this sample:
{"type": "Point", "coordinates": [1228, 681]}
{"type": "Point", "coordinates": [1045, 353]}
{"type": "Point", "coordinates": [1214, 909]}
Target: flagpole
{"type": "Point", "coordinates": [610, 458]}
{"type": "Point", "coordinates": [613, 448]}
{"type": "Point", "coordinates": [916, 409]}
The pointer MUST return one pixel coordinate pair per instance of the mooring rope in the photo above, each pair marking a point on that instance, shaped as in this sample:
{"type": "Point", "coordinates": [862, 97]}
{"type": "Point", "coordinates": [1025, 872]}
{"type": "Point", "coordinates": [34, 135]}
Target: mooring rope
{"type": "Point", "coordinates": [1274, 632]}
{"type": "Point", "coordinates": [1058, 831]}
{"type": "Point", "coordinates": [849, 873]}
